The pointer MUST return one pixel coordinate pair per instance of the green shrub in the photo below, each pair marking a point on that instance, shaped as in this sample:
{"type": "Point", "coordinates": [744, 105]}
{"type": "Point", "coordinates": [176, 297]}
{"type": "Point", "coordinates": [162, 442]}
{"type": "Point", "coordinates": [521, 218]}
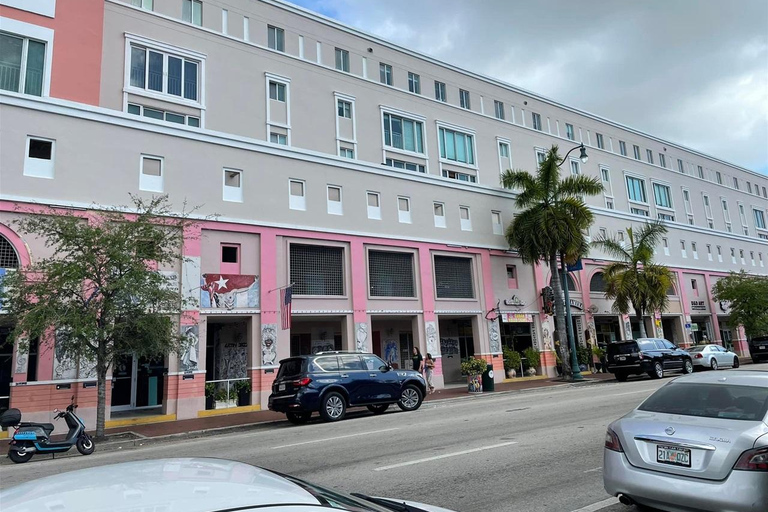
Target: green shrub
{"type": "Point", "coordinates": [473, 366]}
{"type": "Point", "coordinates": [512, 359]}
{"type": "Point", "coordinates": [584, 355]}
{"type": "Point", "coordinates": [599, 352]}
{"type": "Point", "coordinates": [533, 357]}
{"type": "Point", "coordinates": [210, 389]}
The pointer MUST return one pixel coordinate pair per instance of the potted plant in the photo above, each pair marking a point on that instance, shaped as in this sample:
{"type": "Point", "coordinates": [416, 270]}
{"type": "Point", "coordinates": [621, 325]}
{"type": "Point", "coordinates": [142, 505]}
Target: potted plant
{"type": "Point", "coordinates": [584, 357]}
{"type": "Point", "coordinates": [473, 368]}
{"type": "Point", "coordinates": [225, 400]}
{"type": "Point", "coordinates": [243, 389]}
{"type": "Point", "coordinates": [512, 361]}
{"type": "Point", "coordinates": [600, 353]}
{"type": "Point", "coordinates": [210, 391]}
{"type": "Point", "coordinates": [534, 358]}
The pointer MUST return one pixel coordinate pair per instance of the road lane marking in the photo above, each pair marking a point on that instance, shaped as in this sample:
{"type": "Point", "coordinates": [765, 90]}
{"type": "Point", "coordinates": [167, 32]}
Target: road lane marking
{"type": "Point", "coordinates": [593, 470]}
{"type": "Point", "coordinates": [598, 506]}
{"type": "Point", "coordinates": [633, 392]}
{"type": "Point", "coordinates": [444, 456]}
{"type": "Point", "coordinates": [335, 438]}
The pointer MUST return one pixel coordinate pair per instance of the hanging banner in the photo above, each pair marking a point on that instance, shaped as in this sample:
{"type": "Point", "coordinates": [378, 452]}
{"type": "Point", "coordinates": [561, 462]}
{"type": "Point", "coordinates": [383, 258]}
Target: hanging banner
{"type": "Point", "coordinates": [516, 318]}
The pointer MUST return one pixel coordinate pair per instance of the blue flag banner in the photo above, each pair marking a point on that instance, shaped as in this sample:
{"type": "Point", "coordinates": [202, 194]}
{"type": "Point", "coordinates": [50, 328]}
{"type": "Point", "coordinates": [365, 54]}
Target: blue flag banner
{"type": "Point", "coordinates": [575, 267]}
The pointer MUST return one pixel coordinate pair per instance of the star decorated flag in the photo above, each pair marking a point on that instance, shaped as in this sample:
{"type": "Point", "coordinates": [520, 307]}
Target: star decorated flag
{"type": "Point", "coordinates": [286, 296]}
{"type": "Point", "coordinates": [229, 291]}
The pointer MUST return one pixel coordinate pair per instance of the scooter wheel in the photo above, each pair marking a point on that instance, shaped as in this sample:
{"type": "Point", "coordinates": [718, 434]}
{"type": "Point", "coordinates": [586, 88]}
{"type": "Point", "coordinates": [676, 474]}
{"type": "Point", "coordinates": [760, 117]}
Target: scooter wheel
{"type": "Point", "coordinates": [85, 445]}
{"type": "Point", "coordinates": [19, 458]}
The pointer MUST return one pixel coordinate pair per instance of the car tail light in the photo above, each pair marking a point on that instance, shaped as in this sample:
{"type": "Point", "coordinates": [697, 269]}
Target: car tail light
{"type": "Point", "coordinates": [301, 382]}
{"type": "Point", "coordinates": [640, 356]}
{"type": "Point", "coordinates": [612, 441]}
{"type": "Point", "coordinates": [698, 356]}
{"type": "Point", "coordinates": [753, 460]}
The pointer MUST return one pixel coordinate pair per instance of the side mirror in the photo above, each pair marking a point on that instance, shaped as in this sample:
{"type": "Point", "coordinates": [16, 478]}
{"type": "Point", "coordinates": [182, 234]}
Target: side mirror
{"type": "Point", "coordinates": [387, 368]}
{"type": "Point", "coordinates": [56, 411]}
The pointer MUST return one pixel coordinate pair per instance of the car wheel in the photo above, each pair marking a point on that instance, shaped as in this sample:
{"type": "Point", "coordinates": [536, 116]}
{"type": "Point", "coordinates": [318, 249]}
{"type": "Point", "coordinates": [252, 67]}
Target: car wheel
{"type": "Point", "coordinates": [687, 367]}
{"type": "Point", "coordinates": [621, 376]}
{"type": "Point", "coordinates": [735, 362]}
{"type": "Point", "coordinates": [410, 398]}
{"type": "Point", "coordinates": [378, 409]}
{"type": "Point", "coordinates": [658, 370]}
{"type": "Point", "coordinates": [298, 418]}
{"type": "Point", "coordinates": [334, 407]}
{"type": "Point", "coordinates": [713, 364]}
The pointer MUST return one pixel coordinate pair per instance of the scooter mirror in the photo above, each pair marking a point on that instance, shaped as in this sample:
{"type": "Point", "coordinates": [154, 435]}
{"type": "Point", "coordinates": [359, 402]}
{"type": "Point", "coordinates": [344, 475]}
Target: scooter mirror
{"type": "Point", "coordinates": [56, 411]}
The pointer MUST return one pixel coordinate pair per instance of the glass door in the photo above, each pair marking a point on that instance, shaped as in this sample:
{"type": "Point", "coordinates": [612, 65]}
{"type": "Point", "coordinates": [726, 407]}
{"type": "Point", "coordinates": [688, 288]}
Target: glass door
{"type": "Point", "coordinates": [137, 382]}
{"type": "Point", "coordinates": [122, 382]}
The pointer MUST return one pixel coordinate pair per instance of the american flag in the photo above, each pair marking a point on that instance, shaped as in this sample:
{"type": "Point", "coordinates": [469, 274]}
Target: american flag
{"type": "Point", "coordinates": [285, 306]}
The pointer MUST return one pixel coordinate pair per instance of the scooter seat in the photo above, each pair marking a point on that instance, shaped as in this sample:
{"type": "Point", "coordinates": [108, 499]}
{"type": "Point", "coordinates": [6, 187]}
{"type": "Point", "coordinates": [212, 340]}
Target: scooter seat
{"type": "Point", "coordinates": [48, 427]}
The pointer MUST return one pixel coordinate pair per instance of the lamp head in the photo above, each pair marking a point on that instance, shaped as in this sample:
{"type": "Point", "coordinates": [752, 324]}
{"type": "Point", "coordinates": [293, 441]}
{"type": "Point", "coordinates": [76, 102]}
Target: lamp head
{"type": "Point", "coordinates": [583, 156]}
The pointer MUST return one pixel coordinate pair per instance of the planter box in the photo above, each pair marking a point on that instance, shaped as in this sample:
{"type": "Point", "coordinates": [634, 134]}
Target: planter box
{"type": "Point", "coordinates": [224, 404]}
{"type": "Point", "coordinates": [475, 383]}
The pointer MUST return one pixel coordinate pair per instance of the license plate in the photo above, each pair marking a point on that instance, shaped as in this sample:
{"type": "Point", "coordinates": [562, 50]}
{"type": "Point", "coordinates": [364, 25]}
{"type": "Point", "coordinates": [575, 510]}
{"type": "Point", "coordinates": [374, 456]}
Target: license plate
{"type": "Point", "coordinates": [674, 456]}
{"type": "Point", "coordinates": [622, 358]}
{"type": "Point", "coordinates": [281, 387]}
{"type": "Point", "coordinates": [762, 347]}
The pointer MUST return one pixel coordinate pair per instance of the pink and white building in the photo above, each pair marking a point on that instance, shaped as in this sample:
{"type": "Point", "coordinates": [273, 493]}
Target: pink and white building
{"type": "Point", "coordinates": [365, 173]}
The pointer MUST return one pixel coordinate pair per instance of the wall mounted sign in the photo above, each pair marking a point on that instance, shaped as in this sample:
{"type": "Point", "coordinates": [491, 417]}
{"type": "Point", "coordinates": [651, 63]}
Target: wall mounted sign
{"type": "Point", "coordinates": [698, 305]}
{"type": "Point", "coordinates": [577, 304]}
{"type": "Point", "coordinates": [516, 317]}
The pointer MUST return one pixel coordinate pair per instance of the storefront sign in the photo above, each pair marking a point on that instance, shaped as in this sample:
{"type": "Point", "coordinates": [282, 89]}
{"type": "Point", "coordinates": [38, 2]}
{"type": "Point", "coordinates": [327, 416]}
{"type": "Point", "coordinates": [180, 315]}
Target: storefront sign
{"type": "Point", "coordinates": [516, 318]}
{"type": "Point", "coordinates": [577, 304]}
{"type": "Point", "coordinates": [698, 305]}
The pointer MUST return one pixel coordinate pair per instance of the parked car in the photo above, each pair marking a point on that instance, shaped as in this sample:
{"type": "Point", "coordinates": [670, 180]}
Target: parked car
{"type": "Point", "coordinates": [331, 382]}
{"type": "Point", "coordinates": [758, 348]}
{"type": "Point", "coordinates": [699, 443]}
{"type": "Point", "coordinates": [191, 485]}
{"type": "Point", "coordinates": [712, 356]}
{"type": "Point", "coordinates": [653, 356]}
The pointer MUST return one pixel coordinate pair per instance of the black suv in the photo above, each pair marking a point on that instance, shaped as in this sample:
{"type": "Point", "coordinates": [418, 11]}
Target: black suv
{"type": "Point", "coordinates": [330, 382]}
{"type": "Point", "coordinates": [646, 355]}
{"type": "Point", "coordinates": [758, 348]}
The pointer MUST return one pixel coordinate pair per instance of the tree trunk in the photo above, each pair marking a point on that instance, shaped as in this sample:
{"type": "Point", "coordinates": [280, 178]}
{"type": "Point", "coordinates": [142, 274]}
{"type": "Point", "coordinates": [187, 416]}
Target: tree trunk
{"type": "Point", "coordinates": [101, 368]}
{"type": "Point", "coordinates": [560, 316]}
{"type": "Point", "coordinates": [639, 315]}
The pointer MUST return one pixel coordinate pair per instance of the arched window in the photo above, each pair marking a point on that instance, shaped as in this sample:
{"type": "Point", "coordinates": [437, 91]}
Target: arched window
{"type": "Point", "coordinates": [671, 290]}
{"type": "Point", "coordinates": [571, 283]}
{"type": "Point", "coordinates": [8, 256]}
{"type": "Point", "coordinates": [597, 283]}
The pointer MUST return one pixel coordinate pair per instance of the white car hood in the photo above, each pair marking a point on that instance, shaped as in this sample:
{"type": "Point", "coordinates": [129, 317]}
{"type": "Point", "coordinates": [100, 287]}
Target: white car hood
{"type": "Point", "coordinates": [422, 506]}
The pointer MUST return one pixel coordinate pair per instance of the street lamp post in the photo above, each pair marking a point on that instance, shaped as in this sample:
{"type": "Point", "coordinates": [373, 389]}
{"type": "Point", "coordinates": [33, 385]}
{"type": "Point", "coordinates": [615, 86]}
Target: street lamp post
{"type": "Point", "coordinates": [568, 319]}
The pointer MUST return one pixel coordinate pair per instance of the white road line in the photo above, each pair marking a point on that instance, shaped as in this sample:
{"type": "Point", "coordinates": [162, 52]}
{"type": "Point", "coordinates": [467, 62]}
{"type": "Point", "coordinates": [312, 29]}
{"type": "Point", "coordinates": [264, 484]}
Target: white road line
{"type": "Point", "coordinates": [598, 506]}
{"type": "Point", "coordinates": [633, 392]}
{"type": "Point", "coordinates": [444, 456]}
{"type": "Point", "coordinates": [593, 470]}
{"type": "Point", "coordinates": [335, 438]}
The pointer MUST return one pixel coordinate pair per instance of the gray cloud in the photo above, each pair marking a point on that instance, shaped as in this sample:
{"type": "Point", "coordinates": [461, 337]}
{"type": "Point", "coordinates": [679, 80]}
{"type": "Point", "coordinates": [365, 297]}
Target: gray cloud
{"type": "Point", "coordinates": [693, 72]}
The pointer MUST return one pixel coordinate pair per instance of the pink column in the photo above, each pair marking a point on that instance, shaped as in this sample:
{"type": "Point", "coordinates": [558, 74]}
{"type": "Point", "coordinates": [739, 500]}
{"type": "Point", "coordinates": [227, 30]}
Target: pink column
{"type": "Point", "coordinates": [362, 325]}
{"type": "Point", "coordinates": [740, 345]}
{"type": "Point", "coordinates": [269, 305]}
{"type": "Point", "coordinates": [686, 308]}
{"type": "Point", "coordinates": [430, 340]}
{"type": "Point", "coordinates": [493, 356]}
{"type": "Point", "coordinates": [546, 346]}
{"type": "Point", "coordinates": [713, 309]}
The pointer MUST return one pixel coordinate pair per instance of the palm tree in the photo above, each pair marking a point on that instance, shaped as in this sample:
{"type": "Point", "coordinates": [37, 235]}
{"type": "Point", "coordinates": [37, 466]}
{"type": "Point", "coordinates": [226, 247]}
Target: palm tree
{"type": "Point", "coordinates": [551, 221]}
{"type": "Point", "coordinates": [635, 281]}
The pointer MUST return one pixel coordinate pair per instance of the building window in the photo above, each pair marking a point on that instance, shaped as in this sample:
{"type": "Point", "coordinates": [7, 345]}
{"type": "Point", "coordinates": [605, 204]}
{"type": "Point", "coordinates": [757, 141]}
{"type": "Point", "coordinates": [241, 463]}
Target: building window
{"type": "Point", "coordinates": [403, 133]}
{"type": "Point", "coordinates": [440, 91]}
{"type": "Point", "coordinates": [317, 270]}
{"type": "Point", "coordinates": [334, 201]}
{"type": "Point", "coordinates": [666, 217]}
{"type": "Point", "coordinates": [414, 83]}
{"type": "Point", "coordinates": [701, 171]}
{"type": "Point", "coordinates": [719, 177]}
{"type": "Point", "coordinates": [390, 274]}
{"type": "Point", "coordinates": [503, 150]}
{"type": "Point", "coordinates": [439, 214]}
{"type": "Point", "coordinates": [347, 153]}
{"type": "Point", "coordinates": [385, 73]}
{"type": "Point", "coordinates": [460, 176]}
{"type": "Point", "coordinates": [694, 250]}
{"type": "Point", "coordinates": [498, 108]}
{"type": "Point", "coordinates": [649, 155]}
{"type": "Point", "coordinates": [540, 157]}
{"type": "Point", "coordinates": [636, 150]}
{"type": "Point", "coordinates": [765, 192]}
{"type": "Point", "coordinates": [600, 142]}
{"type": "Point", "coordinates": [39, 157]}
{"type": "Point", "coordinates": [569, 131]}
{"type": "Point", "coordinates": [662, 195]}
{"type": "Point", "coordinates": [453, 278]}
{"type": "Point", "coordinates": [464, 99]}
{"type": "Point", "coordinates": [511, 277]}
{"type": "Point", "coordinates": [296, 196]}
{"type": "Point", "coordinates": [276, 38]}
{"type": "Point", "coordinates": [736, 183]}
{"type": "Point", "coordinates": [597, 283]}
{"type": "Point", "coordinates": [278, 138]}
{"type": "Point", "coordinates": [609, 203]}
{"type": "Point", "coordinates": [536, 118]}
{"type": "Point", "coordinates": [466, 220]}
{"type": "Point", "coordinates": [192, 11]}
{"type": "Point", "coordinates": [456, 146]}
{"type": "Point", "coordinates": [230, 259]}
{"type": "Point", "coordinates": [144, 4]}
{"type": "Point", "coordinates": [151, 175]}
{"type": "Point", "coordinates": [342, 60]}
{"type": "Point", "coordinates": [665, 244]}
{"type": "Point", "coordinates": [640, 211]}
{"type": "Point", "coordinates": [759, 219]}
{"type": "Point", "coordinates": [277, 91]}
{"type": "Point", "coordinates": [680, 166]}
{"type": "Point", "coordinates": [374, 205]}
{"type": "Point", "coordinates": [344, 109]}
{"type": "Point", "coordinates": [575, 168]}
{"type": "Point", "coordinates": [662, 160]}
{"type": "Point", "coordinates": [164, 73]}
{"type": "Point", "coordinates": [498, 228]}
{"type": "Point", "coordinates": [408, 166]}
{"type": "Point", "coordinates": [623, 148]}
{"type": "Point", "coordinates": [404, 210]}
{"type": "Point", "coordinates": [233, 185]}
{"type": "Point", "coordinates": [163, 115]}
{"type": "Point", "coordinates": [636, 189]}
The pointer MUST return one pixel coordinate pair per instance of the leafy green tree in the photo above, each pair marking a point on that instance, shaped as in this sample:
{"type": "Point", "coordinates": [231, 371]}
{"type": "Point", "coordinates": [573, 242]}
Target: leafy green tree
{"type": "Point", "coordinates": [635, 281]}
{"type": "Point", "coordinates": [550, 223]}
{"type": "Point", "coordinates": [748, 298]}
{"type": "Point", "coordinates": [98, 295]}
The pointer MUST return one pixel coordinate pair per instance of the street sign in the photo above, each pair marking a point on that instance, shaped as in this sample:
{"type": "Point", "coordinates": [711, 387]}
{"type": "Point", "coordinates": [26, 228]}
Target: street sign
{"type": "Point", "coordinates": [687, 326]}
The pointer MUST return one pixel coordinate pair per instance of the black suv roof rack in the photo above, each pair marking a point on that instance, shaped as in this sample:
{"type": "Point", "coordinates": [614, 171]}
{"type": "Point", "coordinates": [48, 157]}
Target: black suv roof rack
{"type": "Point", "coordinates": [335, 352]}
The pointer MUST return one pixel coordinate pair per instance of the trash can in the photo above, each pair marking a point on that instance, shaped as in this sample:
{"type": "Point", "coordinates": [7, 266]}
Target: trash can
{"type": "Point", "coordinates": [488, 378]}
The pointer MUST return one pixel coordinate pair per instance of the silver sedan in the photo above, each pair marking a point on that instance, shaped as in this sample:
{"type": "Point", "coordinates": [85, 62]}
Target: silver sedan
{"type": "Point", "coordinates": [700, 443]}
{"type": "Point", "coordinates": [712, 356]}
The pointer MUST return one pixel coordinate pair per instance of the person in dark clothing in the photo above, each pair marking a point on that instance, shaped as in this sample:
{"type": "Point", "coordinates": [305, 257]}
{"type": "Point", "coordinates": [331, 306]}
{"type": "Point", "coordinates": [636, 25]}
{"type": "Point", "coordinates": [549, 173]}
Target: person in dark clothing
{"type": "Point", "coordinates": [418, 360]}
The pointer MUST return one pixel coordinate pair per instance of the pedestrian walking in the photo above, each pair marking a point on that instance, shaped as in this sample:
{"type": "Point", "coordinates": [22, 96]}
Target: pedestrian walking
{"type": "Point", "coordinates": [429, 367]}
{"type": "Point", "coordinates": [418, 360]}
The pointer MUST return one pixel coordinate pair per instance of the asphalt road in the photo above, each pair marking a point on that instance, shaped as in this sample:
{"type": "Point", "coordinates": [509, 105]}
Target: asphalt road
{"type": "Point", "coordinates": [533, 451]}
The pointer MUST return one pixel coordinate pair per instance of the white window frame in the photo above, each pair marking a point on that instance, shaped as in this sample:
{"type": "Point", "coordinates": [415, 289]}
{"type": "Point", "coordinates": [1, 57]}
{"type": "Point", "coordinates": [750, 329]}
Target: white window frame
{"type": "Point", "coordinates": [709, 252]}
{"type": "Point", "coordinates": [230, 193]}
{"type": "Point", "coordinates": [497, 227]}
{"type": "Point", "coordinates": [343, 61]}
{"type": "Point", "coordinates": [726, 214]}
{"type": "Point", "coordinates": [192, 12]}
{"type": "Point", "coordinates": [539, 151]}
{"type": "Point", "coordinates": [147, 182]}
{"type": "Point", "coordinates": [334, 207]}
{"type": "Point", "coordinates": [649, 156]}
{"type": "Point", "coordinates": [285, 81]}
{"type": "Point", "coordinates": [607, 186]}
{"type": "Point", "coordinates": [147, 5]}
{"type": "Point", "coordinates": [297, 202]}
{"type": "Point", "coordinates": [500, 141]}
{"type": "Point", "coordinates": [743, 217]}
{"type": "Point", "coordinates": [575, 166]}
{"type": "Point", "coordinates": [665, 244]}
{"type": "Point", "coordinates": [708, 209]}
{"type": "Point", "coordinates": [347, 153]}
{"type": "Point", "coordinates": [414, 82]}
{"type": "Point", "coordinates": [534, 117]}
{"type": "Point", "coordinates": [276, 30]}
{"type": "Point", "coordinates": [662, 160]}
{"type": "Point", "coordinates": [409, 116]}
{"type": "Point", "coordinates": [337, 97]}
{"type": "Point", "coordinates": [404, 216]}
{"type": "Point", "coordinates": [719, 254]}
{"type": "Point", "coordinates": [28, 31]}
{"type": "Point", "coordinates": [463, 130]}
{"type": "Point", "coordinates": [642, 178]}
{"type": "Point", "coordinates": [755, 211]}
{"type": "Point", "coordinates": [695, 250]}
{"type": "Point", "coordinates": [498, 109]}
{"type": "Point", "coordinates": [636, 152]}
{"type": "Point", "coordinates": [439, 219]}
{"type": "Point", "coordinates": [38, 167]}
{"type": "Point", "coordinates": [441, 91]}
{"type": "Point", "coordinates": [465, 101]}
{"type": "Point", "coordinates": [669, 191]}
{"type": "Point", "coordinates": [688, 205]}
{"type": "Point", "coordinates": [374, 212]}
{"type": "Point", "coordinates": [599, 140]}
{"type": "Point", "coordinates": [622, 148]}
{"type": "Point", "coordinates": [683, 251]}
{"type": "Point", "coordinates": [466, 224]}
{"type": "Point", "coordinates": [386, 74]}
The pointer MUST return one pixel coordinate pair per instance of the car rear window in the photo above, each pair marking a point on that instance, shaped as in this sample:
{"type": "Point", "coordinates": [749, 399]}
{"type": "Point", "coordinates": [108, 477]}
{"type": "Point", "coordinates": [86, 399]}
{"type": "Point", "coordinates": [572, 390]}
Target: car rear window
{"type": "Point", "coordinates": [748, 403]}
{"type": "Point", "coordinates": [697, 348]}
{"type": "Point", "coordinates": [289, 368]}
{"type": "Point", "coordinates": [622, 348]}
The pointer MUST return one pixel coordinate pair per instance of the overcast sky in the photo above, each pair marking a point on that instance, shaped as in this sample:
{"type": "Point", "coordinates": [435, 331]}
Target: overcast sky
{"type": "Point", "coordinates": [694, 72]}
